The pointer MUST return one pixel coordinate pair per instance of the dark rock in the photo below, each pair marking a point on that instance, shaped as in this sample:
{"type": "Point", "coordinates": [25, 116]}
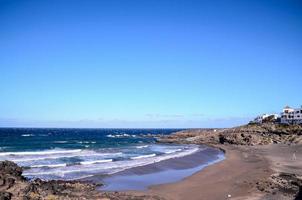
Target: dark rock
{"type": "Point", "coordinates": [299, 195]}
{"type": "Point", "coordinates": [10, 182]}
{"type": "Point", "coordinates": [10, 168]}
{"type": "Point", "coordinates": [251, 134]}
{"type": "Point", "coordinates": [284, 183]}
{"type": "Point", "coordinates": [5, 195]}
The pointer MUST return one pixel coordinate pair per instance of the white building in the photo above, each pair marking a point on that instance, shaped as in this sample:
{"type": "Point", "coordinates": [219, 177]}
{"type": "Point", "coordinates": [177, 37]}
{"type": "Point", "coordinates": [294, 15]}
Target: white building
{"type": "Point", "coordinates": [291, 115]}
{"type": "Point", "coordinates": [259, 119]}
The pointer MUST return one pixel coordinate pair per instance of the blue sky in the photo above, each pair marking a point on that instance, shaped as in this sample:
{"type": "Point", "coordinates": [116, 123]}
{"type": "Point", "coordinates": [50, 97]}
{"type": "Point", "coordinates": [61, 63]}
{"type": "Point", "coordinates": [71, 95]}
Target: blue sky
{"type": "Point", "coordinates": [156, 63]}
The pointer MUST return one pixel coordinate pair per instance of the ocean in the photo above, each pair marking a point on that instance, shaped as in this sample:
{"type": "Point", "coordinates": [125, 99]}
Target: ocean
{"type": "Point", "coordinates": [70, 154]}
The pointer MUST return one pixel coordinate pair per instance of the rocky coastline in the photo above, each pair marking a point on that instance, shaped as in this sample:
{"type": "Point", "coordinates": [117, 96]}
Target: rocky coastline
{"type": "Point", "coordinates": [15, 186]}
{"type": "Point", "coordinates": [250, 135]}
{"type": "Point", "coordinates": [280, 183]}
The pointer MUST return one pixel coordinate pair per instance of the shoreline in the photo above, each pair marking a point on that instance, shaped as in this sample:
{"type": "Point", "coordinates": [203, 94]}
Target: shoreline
{"type": "Point", "coordinates": [231, 177]}
{"type": "Point", "coordinates": [243, 174]}
{"type": "Point", "coordinates": [261, 162]}
{"type": "Point", "coordinates": [163, 172]}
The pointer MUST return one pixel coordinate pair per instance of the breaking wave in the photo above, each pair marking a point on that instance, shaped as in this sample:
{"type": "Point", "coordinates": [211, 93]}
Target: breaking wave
{"type": "Point", "coordinates": [143, 156]}
{"type": "Point", "coordinates": [70, 164]}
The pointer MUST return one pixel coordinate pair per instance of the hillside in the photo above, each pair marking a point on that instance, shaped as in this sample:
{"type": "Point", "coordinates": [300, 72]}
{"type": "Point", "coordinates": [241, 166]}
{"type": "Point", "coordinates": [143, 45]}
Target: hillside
{"type": "Point", "coordinates": [250, 134]}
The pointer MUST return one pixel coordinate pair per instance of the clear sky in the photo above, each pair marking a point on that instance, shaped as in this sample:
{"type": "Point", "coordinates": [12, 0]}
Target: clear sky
{"type": "Point", "coordinates": [147, 63]}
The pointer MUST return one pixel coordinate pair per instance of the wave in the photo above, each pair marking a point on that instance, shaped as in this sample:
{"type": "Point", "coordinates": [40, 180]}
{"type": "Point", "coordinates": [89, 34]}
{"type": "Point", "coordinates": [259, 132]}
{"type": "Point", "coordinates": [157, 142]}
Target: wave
{"type": "Point", "coordinates": [81, 154]}
{"type": "Point", "coordinates": [172, 151]}
{"type": "Point", "coordinates": [125, 135]}
{"type": "Point", "coordinates": [143, 156]}
{"type": "Point", "coordinates": [40, 152]}
{"type": "Point", "coordinates": [86, 142]}
{"type": "Point", "coordinates": [27, 135]}
{"type": "Point", "coordinates": [74, 171]}
{"type": "Point", "coordinates": [60, 142]}
{"type": "Point", "coordinates": [143, 146]}
{"type": "Point", "coordinates": [51, 166]}
{"type": "Point", "coordinates": [95, 162]}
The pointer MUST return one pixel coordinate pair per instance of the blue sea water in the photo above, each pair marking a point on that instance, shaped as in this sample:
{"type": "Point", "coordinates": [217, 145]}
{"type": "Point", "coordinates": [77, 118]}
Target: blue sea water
{"type": "Point", "coordinates": [71, 154]}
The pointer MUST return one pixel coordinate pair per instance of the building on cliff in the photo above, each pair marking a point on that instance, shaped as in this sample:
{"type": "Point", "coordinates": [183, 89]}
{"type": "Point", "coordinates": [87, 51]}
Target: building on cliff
{"type": "Point", "coordinates": [291, 115]}
{"type": "Point", "coordinates": [266, 118]}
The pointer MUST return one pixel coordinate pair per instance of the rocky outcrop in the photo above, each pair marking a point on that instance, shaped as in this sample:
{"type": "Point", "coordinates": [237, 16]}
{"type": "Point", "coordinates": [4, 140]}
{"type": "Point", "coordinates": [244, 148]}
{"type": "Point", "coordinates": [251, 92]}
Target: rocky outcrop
{"type": "Point", "coordinates": [39, 189]}
{"type": "Point", "coordinates": [126, 196]}
{"type": "Point", "coordinates": [282, 185]}
{"type": "Point", "coordinates": [10, 175]}
{"type": "Point", "coordinates": [10, 169]}
{"type": "Point", "coordinates": [251, 134]}
{"type": "Point", "coordinates": [14, 186]}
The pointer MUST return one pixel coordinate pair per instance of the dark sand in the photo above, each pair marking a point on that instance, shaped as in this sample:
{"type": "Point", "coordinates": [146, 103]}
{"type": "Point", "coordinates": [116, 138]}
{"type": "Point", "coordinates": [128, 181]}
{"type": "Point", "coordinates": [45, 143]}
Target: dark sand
{"type": "Point", "coordinates": [167, 171]}
{"type": "Point", "coordinates": [236, 176]}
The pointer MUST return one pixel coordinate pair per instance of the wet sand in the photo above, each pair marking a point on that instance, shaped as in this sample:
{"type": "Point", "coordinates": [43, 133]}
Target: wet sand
{"type": "Point", "coordinates": [167, 171]}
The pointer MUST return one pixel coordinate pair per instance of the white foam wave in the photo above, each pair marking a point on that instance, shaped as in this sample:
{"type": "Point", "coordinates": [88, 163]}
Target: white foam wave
{"type": "Point", "coordinates": [119, 135]}
{"type": "Point", "coordinates": [172, 151]}
{"type": "Point", "coordinates": [86, 142]}
{"type": "Point", "coordinates": [143, 146]}
{"type": "Point", "coordinates": [81, 154]}
{"type": "Point", "coordinates": [51, 166]}
{"type": "Point", "coordinates": [70, 172]}
{"type": "Point", "coordinates": [143, 156]}
{"type": "Point", "coordinates": [27, 135]}
{"type": "Point", "coordinates": [40, 152]}
{"type": "Point", "coordinates": [95, 162]}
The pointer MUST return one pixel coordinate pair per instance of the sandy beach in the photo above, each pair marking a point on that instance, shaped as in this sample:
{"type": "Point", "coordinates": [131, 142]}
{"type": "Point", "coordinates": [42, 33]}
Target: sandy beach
{"type": "Point", "coordinates": [237, 176]}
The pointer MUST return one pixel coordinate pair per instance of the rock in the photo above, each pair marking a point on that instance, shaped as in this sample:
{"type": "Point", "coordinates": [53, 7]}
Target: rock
{"type": "Point", "coordinates": [10, 168]}
{"type": "Point", "coordinates": [19, 188]}
{"type": "Point", "coordinates": [5, 195]}
{"type": "Point", "coordinates": [282, 183]}
{"type": "Point", "coordinates": [125, 196]}
{"type": "Point", "coordinates": [251, 134]}
{"type": "Point", "coordinates": [10, 173]}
